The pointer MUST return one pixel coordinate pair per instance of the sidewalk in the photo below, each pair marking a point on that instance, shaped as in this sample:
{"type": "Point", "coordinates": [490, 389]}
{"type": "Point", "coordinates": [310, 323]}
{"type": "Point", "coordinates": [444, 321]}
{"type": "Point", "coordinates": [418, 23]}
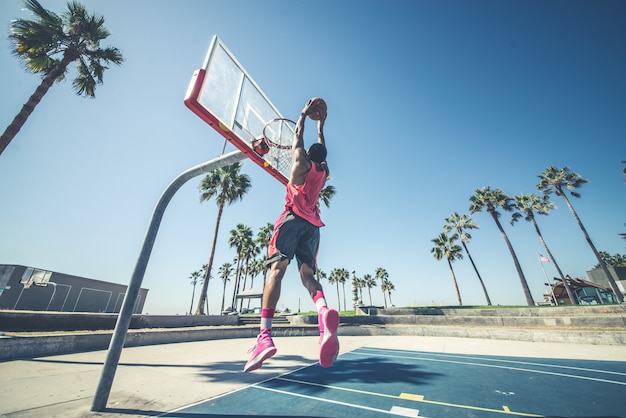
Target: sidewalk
{"type": "Point", "coordinates": [152, 380]}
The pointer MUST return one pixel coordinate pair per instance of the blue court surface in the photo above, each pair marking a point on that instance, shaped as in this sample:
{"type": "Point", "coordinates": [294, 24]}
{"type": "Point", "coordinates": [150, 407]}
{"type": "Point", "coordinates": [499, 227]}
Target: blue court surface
{"type": "Point", "coordinates": [372, 382]}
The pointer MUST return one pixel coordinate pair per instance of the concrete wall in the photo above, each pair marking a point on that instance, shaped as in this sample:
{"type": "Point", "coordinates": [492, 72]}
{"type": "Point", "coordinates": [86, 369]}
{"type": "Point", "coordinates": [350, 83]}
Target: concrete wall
{"type": "Point", "coordinates": [30, 321]}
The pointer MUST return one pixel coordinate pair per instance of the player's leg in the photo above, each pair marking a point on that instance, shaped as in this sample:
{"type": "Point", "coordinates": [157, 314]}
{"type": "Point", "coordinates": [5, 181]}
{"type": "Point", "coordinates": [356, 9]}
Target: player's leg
{"type": "Point", "coordinates": [328, 319]}
{"type": "Point", "coordinates": [265, 347]}
{"type": "Point", "coordinates": [279, 257]}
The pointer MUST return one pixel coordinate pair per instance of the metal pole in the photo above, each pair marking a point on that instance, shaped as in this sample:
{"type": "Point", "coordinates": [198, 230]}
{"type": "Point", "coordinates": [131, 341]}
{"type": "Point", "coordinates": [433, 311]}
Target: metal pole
{"type": "Point", "coordinates": [556, 302]}
{"type": "Point", "coordinates": [123, 321]}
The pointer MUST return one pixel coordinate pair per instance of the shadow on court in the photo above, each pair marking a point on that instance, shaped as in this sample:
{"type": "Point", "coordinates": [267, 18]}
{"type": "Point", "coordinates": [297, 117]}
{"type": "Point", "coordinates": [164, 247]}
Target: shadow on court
{"type": "Point", "coordinates": [373, 370]}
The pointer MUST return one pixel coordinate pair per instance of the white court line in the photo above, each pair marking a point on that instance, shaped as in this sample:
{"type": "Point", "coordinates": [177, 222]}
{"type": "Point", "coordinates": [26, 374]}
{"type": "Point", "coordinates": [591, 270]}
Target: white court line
{"type": "Point", "coordinates": [315, 398]}
{"type": "Point", "coordinates": [507, 361]}
{"type": "Point", "coordinates": [573, 376]}
{"type": "Point", "coordinates": [230, 392]}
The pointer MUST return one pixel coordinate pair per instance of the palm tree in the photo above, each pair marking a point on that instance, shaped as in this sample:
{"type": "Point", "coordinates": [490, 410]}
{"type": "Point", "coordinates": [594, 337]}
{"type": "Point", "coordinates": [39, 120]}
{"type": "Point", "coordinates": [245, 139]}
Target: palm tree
{"type": "Point", "coordinates": [256, 267]}
{"type": "Point", "coordinates": [382, 275]}
{"type": "Point", "coordinates": [249, 252]}
{"type": "Point", "coordinates": [326, 194]}
{"type": "Point", "coordinates": [202, 272]}
{"type": "Point", "coordinates": [344, 276]}
{"type": "Point", "coordinates": [360, 284]}
{"type": "Point", "coordinates": [369, 283]}
{"type": "Point", "coordinates": [240, 238]}
{"type": "Point", "coordinates": [320, 274]}
{"type": "Point", "coordinates": [491, 200]}
{"type": "Point", "coordinates": [227, 186]}
{"type": "Point", "coordinates": [616, 260]}
{"type": "Point", "coordinates": [460, 224]}
{"type": "Point", "coordinates": [49, 43]}
{"type": "Point", "coordinates": [194, 280]}
{"type": "Point", "coordinates": [446, 247]}
{"type": "Point", "coordinates": [529, 204]}
{"type": "Point", "coordinates": [335, 278]}
{"type": "Point", "coordinates": [263, 240]}
{"type": "Point", "coordinates": [556, 181]}
{"type": "Point", "coordinates": [225, 271]}
{"type": "Point", "coordinates": [388, 287]}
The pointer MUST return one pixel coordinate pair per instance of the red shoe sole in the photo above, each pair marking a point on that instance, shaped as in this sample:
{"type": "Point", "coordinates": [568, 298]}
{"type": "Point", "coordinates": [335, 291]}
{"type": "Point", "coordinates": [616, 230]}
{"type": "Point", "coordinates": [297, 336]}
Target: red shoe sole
{"type": "Point", "coordinates": [257, 362]}
{"type": "Point", "coordinates": [329, 347]}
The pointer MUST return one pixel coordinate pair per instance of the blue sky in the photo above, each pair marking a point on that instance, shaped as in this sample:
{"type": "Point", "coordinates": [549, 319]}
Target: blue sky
{"type": "Point", "coordinates": [428, 101]}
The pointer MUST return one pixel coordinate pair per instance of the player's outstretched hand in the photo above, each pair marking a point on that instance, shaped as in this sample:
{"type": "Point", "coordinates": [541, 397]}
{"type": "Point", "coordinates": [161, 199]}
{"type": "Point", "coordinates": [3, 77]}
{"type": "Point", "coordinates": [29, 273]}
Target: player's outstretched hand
{"type": "Point", "coordinates": [308, 107]}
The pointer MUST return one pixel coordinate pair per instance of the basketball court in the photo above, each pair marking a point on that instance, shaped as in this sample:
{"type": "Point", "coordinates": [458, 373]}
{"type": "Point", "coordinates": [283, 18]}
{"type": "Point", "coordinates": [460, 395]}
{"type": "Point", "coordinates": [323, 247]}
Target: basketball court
{"type": "Point", "coordinates": [365, 381]}
{"type": "Point", "coordinates": [371, 382]}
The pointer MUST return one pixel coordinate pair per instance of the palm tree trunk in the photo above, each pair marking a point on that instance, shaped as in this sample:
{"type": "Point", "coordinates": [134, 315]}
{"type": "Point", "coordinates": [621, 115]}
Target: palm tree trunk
{"type": "Point", "coordinates": [245, 280]}
{"type": "Point", "coordinates": [28, 108]}
{"type": "Point", "coordinates": [456, 286]}
{"type": "Point", "coordinates": [193, 293]}
{"type": "Point", "coordinates": [207, 273]}
{"type": "Point", "coordinates": [382, 288]}
{"type": "Point", "coordinates": [478, 274]}
{"type": "Point", "coordinates": [369, 290]}
{"type": "Point", "coordinates": [223, 296]}
{"type": "Point", "coordinates": [618, 293]}
{"type": "Point", "coordinates": [526, 289]}
{"type": "Point", "coordinates": [237, 280]}
{"type": "Point", "coordinates": [571, 296]}
{"type": "Point", "coordinates": [343, 286]}
{"type": "Point", "coordinates": [338, 297]}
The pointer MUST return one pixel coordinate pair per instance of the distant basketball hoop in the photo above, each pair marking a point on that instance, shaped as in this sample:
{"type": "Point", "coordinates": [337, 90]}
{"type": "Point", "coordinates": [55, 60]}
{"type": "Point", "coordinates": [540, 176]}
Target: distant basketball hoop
{"type": "Point", "coordinates": [37, 277]}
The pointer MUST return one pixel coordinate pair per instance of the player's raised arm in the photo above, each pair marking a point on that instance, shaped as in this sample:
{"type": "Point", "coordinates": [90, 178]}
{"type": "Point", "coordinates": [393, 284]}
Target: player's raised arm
{"type": "Point", "coordinates": [315, 108]}
{"type": "Point", "coordinates": [298, 137]}
{"type": "Point", "coordinates": [320, 130]}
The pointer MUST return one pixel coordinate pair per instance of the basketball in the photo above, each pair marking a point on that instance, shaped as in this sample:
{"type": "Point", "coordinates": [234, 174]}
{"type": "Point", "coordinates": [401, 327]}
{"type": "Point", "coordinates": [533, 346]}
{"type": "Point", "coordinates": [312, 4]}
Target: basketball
{"type": "Point", "coordinates": [318, 109]}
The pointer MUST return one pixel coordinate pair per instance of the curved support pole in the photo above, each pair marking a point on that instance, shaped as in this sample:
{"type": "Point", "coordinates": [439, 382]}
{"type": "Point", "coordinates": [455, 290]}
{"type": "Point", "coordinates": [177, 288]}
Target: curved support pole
{"type": "Point", "coordinates": [123, 321]}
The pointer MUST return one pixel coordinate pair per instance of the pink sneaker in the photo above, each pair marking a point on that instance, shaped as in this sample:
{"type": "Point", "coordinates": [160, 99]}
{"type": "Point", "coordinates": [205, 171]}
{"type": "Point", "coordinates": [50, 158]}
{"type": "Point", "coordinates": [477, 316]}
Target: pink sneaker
{"type": "Point", "coordinates": [263, 350]}
{"type": "Point", "coordinates": [328, 321]}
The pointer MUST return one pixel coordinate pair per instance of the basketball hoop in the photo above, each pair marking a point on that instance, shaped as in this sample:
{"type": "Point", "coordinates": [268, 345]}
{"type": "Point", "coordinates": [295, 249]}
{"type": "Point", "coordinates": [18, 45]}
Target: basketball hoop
{"type": "Point", "coordinates": [279, 133]}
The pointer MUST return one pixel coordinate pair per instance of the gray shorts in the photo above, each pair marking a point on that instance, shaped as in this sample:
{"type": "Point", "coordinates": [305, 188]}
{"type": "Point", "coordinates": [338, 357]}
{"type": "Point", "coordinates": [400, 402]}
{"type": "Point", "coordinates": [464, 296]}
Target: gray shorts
{"type": "Point", "coordinates": [294, 236]}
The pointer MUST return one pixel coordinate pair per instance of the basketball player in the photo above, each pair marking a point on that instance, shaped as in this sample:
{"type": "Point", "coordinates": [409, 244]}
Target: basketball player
{"type": "Point", "coordinates": [296, 232]}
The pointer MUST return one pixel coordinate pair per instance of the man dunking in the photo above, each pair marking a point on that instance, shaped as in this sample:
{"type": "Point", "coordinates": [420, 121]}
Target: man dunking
{"type": "Point", "coordinates": [296, 232]}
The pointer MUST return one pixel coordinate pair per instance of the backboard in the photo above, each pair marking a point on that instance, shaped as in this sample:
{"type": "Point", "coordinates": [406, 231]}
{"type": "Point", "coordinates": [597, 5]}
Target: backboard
{"type": "Point", "coordinates": [224, 95]}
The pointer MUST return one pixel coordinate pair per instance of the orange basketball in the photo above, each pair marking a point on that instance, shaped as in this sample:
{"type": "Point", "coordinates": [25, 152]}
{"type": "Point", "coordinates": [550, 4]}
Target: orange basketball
{"type": "Point", "coordinates": [318, 109]}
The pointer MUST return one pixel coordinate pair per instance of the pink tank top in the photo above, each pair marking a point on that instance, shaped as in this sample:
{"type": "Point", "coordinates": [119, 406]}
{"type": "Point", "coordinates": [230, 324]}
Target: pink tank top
{"type": "Point", "coordinates": [303, 199]}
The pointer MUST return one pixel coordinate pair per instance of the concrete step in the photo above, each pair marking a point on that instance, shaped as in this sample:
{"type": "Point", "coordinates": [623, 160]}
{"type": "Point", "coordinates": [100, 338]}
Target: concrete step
{"type": "Point", "coordinates": [16, 347]}
{"type": "Point", "coordinates": [551, 311]}
{"type": "Point", "coordinates": [579, 322]}
{"type": "Point", "coordinates": [256, 320]}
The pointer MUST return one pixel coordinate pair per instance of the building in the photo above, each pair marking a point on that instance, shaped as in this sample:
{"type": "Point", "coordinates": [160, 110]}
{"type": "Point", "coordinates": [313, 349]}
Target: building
{"type": "Point", "coordinates": [30, 288]}
{"type": "Point", "coordinates": [586, 292]}
{"type": "Point", "coordinates": [618, 273]}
